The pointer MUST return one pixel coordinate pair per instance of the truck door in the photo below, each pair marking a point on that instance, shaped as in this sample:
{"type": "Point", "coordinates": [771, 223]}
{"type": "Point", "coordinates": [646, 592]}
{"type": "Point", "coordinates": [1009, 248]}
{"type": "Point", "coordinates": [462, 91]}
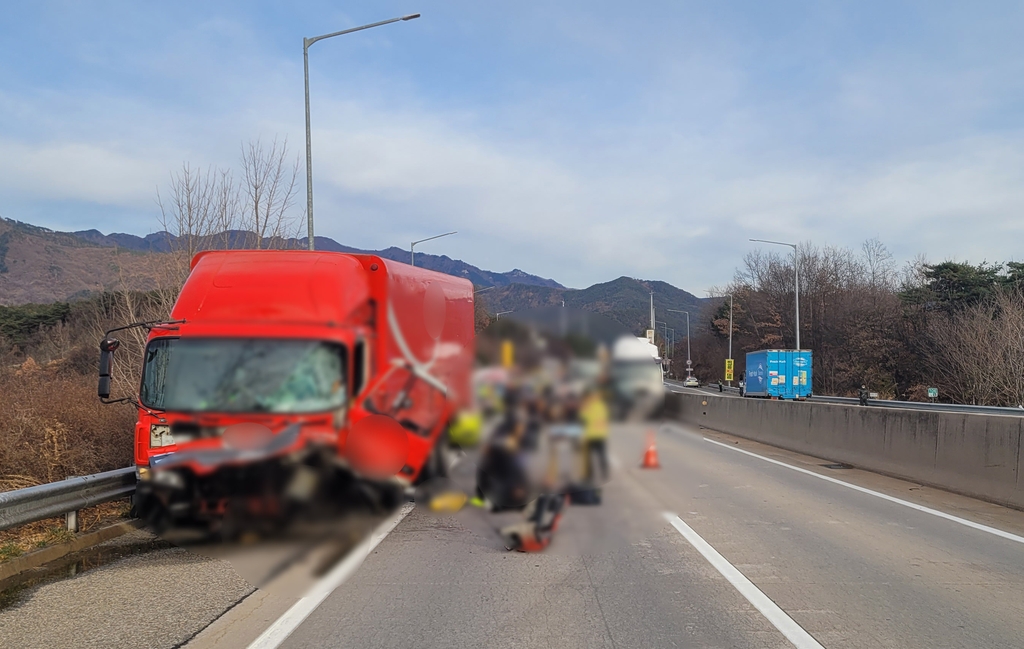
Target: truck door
{"type": "Point", "coordinates": [414, 403]}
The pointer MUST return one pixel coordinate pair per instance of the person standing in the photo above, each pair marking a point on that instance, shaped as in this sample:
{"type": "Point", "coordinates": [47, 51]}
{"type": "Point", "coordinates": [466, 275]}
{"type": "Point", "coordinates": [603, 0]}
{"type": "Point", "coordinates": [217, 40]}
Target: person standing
{"type": "Point", "coordinates": [594, 415]}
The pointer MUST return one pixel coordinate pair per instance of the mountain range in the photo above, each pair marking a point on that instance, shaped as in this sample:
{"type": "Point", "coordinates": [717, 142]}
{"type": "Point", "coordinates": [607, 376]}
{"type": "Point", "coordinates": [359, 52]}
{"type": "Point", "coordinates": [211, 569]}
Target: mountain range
{"type": "Point", "coordinates": [38, 265]}
{"type": "Point", "coordinates": [165, 241]}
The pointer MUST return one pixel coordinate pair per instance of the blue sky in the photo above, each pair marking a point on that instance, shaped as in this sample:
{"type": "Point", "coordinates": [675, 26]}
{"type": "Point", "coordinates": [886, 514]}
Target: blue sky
{"type": "Point", "coordinates": [575, 140]}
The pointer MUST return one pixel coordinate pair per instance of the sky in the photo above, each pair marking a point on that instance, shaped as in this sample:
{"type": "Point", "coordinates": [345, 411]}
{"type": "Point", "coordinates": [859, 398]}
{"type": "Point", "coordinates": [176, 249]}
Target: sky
{"type": "Point", "coordinates": [577, 140]}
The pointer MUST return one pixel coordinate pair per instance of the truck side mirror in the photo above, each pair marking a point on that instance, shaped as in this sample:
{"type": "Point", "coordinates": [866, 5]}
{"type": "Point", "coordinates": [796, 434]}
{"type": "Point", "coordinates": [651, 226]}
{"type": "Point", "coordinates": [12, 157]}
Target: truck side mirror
{"type": "Point", "coordinates": [107, 347]}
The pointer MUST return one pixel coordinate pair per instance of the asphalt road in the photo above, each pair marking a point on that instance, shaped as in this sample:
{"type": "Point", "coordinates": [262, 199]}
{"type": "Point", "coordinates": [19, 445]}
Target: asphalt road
{"type": "Point", "coordinates": [677, 386]}
{"type": "Point", "coordinates": [762, 554]}
{"type": "Point", "coordinates": [849, 568]}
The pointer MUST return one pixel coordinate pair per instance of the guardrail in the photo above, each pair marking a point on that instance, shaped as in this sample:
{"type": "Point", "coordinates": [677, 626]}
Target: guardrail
{"type": "Point", "coordinates": [31, 504]}
{"type": "Point", "coordinates": [890, 403]}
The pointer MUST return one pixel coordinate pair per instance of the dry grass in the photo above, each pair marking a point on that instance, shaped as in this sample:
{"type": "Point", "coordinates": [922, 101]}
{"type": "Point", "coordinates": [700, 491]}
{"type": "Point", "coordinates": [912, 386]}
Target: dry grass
{"type": "Point", "coordinates": [52, 426]}
{"type": "Point", "coordinates": [53, 531]}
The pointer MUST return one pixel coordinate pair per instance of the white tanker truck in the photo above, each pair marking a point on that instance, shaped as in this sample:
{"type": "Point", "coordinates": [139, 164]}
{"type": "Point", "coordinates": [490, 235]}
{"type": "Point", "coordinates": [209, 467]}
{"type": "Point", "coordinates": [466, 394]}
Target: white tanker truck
{"type": "Point", "coordinates": [636, 377]}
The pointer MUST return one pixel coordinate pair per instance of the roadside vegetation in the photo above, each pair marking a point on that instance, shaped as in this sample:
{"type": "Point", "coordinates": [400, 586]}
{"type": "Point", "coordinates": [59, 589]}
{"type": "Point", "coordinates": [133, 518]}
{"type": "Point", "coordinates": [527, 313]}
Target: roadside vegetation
{"type": "Point", "coordinates": [954, 326]}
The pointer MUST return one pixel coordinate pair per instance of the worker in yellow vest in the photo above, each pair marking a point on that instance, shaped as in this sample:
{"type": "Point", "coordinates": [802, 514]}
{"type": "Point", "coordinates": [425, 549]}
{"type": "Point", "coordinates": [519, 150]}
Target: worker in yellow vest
{"type": "Point", "coordinates": [594, 415]}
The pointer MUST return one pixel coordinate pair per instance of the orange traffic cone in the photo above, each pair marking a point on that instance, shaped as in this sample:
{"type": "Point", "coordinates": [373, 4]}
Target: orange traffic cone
{"type": "Point", "coordinates": [651, 454]}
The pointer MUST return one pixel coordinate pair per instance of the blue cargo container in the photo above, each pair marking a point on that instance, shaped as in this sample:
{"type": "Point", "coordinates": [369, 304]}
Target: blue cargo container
{"type": "Point", "coordinates": [780, 373]}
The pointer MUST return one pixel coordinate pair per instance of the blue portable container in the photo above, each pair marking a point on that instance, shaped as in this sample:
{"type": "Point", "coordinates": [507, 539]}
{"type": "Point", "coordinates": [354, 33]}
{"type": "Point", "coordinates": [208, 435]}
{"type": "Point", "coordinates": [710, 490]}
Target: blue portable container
{"type": "Point", "coordinates": [780, 373]}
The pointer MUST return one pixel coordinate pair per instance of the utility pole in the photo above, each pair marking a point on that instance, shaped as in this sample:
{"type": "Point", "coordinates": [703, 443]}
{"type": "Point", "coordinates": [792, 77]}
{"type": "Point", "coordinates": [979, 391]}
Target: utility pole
{"type": "Point", "coordinates": [652, 309]}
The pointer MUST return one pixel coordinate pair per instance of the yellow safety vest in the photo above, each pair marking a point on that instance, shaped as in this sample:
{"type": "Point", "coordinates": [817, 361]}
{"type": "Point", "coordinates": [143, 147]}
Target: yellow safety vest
{"type": "Point", "coordinates": [594, 414]}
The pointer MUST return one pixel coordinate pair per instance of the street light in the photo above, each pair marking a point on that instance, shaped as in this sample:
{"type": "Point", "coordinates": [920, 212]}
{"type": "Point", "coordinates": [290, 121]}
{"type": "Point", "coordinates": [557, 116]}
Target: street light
{"type": "Point", "coordinates": [796, 268]}
{"type": "Point", "coordinates": [412, 246]}
{"type": "Point", "coordinates": [497, 316]}
{"type": "Point", "coordinates": [306, 42]}
{"type": "Point", "coordinates": [730, 332]}
{"type": "Point", "coordinates": [688, 363]}
{"type": "Point", "coordinates": [666, 329]}
{"type": "Point", "coordinates": [664, 337]}
{"type": "Point", "coordinates": [481, 290]}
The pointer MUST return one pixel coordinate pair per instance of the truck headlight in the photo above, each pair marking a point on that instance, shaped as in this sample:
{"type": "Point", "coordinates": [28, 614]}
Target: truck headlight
{"type": "Point", "coordinates": [160, 435]}
{"type": "Point", "coordinates": [171, 479]}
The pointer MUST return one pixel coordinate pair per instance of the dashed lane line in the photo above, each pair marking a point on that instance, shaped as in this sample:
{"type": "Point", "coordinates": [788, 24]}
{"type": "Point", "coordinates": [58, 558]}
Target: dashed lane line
{"type": "Point", "coordinates": [795, 633]}
{"type": "Point", "coordinates": [293, 617]}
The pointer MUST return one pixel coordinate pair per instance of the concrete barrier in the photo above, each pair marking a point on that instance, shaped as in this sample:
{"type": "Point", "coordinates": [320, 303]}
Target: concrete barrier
{"type": "Point", "coordinates": [973, 454]}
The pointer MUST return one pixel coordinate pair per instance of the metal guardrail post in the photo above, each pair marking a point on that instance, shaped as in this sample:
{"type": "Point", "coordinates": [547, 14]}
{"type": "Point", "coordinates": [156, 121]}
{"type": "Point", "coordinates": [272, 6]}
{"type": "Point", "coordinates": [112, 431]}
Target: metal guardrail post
{"type": "Point", "coordinates": [71, 517]}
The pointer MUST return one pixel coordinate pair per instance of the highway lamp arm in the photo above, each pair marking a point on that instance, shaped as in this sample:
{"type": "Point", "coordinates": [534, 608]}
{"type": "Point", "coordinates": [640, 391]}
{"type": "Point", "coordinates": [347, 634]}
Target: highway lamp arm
{"type": "Point", "coordinates": [796, 272]}
{"type": "Point", "coordinates": [309, 41]}
{"type": "Point", "coordinates": [412, 246]}
{"type": "Point", "coordinates": [306, 42]}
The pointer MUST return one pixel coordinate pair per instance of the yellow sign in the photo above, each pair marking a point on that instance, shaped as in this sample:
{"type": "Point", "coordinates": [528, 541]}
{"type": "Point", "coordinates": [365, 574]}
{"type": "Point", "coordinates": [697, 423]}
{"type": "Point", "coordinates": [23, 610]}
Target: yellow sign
{"type": "Point", "coordinates": [729, 364]}
{"type": "Point", "coordinates": [507, 354]}
{"type": "Point", "coordinates": [728, 375]}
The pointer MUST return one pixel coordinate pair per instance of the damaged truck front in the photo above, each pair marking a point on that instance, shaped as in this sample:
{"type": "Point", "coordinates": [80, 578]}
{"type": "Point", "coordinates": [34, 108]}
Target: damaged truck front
{"type": "Point", "coordinates": [285, 381]}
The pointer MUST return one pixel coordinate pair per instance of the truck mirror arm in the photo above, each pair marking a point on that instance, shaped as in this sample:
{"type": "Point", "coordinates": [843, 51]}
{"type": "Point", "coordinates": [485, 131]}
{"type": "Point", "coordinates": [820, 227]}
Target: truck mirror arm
{"type": "Point", "coordinates": [135, 402]}
{"type": "Point", "coordinates": [152, 324]}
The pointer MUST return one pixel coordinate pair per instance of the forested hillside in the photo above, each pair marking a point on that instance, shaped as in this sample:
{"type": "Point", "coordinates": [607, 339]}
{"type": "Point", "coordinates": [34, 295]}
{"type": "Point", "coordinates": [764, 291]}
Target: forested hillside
{"type": "Point", "coordinates": [953, 325]}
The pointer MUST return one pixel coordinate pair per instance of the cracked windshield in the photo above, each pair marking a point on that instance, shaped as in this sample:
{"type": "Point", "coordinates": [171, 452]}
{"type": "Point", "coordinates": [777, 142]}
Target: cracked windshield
{"type": "Point", "coordinates": [196, 375]}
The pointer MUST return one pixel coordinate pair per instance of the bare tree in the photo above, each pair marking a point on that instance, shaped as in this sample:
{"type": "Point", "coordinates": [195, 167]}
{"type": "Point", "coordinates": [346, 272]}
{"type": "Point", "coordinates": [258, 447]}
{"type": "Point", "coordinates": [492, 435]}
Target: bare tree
{"type": "Point", "coordinates": [964, 354]}
{"type": "Point", "coordinates": [881, 268]}
{"type": "Point", "coordinates": [269, 190]}
{"type": "Point", "coordinates": [201, 210]}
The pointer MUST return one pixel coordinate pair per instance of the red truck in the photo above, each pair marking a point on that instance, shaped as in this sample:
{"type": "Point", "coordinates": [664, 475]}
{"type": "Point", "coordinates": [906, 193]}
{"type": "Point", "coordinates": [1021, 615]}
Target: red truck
{"type": "Point", "coordinates": [271, 359]}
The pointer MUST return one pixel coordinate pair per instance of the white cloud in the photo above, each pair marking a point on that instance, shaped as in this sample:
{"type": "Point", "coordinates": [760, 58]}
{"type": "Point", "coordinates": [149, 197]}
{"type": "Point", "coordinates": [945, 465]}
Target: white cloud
{"type": "Point", "coordinates": [80, 171]}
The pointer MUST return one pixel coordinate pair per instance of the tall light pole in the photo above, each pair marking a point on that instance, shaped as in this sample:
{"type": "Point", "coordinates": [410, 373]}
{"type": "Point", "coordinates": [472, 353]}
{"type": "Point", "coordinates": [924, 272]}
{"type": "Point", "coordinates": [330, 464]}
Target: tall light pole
{"type": "Point", "coordinates": [412, 246]}
{"type": "Point", "coordinates": [730, 331]}
{"type": "Point", "coordinates": [664, 327]}
{"type": "Point", "coordinates": [306, 42]}
{"type": "Point", "coordinates": [688, 363]}
{"type": "Point", "coordinates": [796, 267]}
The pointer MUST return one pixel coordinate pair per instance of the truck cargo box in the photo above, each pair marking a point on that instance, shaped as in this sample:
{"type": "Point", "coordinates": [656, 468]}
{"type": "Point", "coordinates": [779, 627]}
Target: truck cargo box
{"type": "Point", "coordinates": [778, 373]}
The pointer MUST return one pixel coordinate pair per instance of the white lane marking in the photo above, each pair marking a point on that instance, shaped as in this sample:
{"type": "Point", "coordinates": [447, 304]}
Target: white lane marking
{"type": "Point", "coordinates": [789, 628]}
{"type": "Point", "coordinates": [878, 494]}
{"type": "Point", "coordinates": [294, 616]}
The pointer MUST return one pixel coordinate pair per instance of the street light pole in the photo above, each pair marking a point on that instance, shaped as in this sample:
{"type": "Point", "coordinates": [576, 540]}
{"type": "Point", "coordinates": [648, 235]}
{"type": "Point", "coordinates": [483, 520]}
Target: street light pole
{"type": "Point", "coordinates": [688, 362]}
{"type": "Point", "coordinates": [730, 325]}
{"type": "Point", "coordinates": [730, 331]}
{"type": "Point", "coordinates": [664, 337]}
{"type": "Point", "coordinates": [306, 42]}
{"type": "Point", "coordinates": [412, 246]}
{"type": "Point", "coordinates": [796, 268]}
